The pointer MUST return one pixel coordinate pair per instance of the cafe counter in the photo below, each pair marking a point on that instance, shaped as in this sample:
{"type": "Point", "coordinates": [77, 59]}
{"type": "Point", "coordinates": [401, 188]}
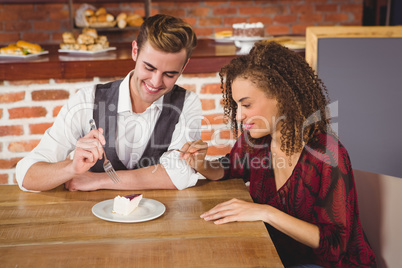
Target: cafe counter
{"type": "Point", "coordinates": [208, 57]}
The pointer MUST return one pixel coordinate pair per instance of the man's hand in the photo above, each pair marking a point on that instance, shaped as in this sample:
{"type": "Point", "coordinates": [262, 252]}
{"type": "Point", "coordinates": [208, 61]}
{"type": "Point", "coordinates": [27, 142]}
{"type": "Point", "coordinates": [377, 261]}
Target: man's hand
{"type": "Point", "coordinates": [88, 150]}
{"type": "Point", "coordinates": [88, 181]}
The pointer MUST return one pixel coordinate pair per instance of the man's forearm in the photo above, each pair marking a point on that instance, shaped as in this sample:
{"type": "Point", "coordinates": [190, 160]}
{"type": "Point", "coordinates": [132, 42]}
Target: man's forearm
{"type": "Point", "coordinates": [43, 176]}
{"type": "Point", "coordinates": [152, 177]}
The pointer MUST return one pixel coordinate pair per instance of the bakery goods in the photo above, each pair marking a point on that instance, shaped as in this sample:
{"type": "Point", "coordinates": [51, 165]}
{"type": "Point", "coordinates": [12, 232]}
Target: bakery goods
{"type": "Point", "coordinates": [29, 47]}
{"type": "Point", "coordinates": [12, 49]}
{"type": "Point", "coordinates": [124, 205]}
{"type": "Point", "coordinates": [223, 34]}
{"type": "Point", "coordinates": [248, 29]}
{"type": "Point", "coordinates": [21, 48]}
{"type": "Point", "coordinates": [88, 40]}
{"type": "Point", "coordinates": [68, 38]}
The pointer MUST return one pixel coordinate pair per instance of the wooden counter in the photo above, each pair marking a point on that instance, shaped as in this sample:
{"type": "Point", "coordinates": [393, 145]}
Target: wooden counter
{"type": "Point", "coordinates": [57, 229]}
{"type": "Point", "coordinates": [208, 57]}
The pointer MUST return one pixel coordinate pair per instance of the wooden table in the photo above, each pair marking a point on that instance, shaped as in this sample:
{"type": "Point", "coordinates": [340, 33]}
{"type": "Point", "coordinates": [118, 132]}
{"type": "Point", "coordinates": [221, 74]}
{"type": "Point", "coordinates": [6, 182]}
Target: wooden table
{"type": "Point", "coordinates": [57, 229]}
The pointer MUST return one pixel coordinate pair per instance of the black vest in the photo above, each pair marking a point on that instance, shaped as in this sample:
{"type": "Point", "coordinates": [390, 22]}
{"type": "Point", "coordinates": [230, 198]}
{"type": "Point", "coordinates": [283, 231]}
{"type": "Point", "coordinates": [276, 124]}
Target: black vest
{"type": "Point", "coordinates": [105, 116]}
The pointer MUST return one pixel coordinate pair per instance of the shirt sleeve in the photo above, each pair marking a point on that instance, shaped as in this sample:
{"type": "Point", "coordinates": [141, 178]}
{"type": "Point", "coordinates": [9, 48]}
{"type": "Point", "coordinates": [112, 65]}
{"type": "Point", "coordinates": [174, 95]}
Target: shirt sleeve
{"type": "Point", "coordinates": [60, 140]}
{"type": "Point", "coordinates": [335, 207]}
{"type": "Point", "coordinates": [187, 129]}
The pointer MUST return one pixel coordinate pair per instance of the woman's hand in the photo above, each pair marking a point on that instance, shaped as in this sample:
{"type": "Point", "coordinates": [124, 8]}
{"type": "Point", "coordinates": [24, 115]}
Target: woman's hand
{"type": "Point", "coordinates": [194, 153]}
{"type": "Point", "coordinates": [235, 210]}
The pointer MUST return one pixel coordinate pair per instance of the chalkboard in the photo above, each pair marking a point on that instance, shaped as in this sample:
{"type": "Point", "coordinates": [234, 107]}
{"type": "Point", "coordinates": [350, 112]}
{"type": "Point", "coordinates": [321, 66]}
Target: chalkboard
{"type": "Point", "coordinates": [364, 80]}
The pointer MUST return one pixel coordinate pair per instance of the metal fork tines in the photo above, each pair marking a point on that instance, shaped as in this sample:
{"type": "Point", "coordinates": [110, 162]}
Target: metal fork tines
{"type": "Point", "coordinates": [107, 166]}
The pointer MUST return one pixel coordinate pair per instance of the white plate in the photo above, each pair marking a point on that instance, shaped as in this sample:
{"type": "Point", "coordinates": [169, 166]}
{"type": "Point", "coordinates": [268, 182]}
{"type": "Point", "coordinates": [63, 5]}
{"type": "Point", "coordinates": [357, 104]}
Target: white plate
{"type": "Point", "coordinates": [23, 56]}
{"type": "Point", "coordinates": [249, 39]}
{"type": "Point", "coordinates": [85, 52]}
{"type": "Point", "coordinates": [224, 40]}
{"type": "Point", "coordinates": [147, 210]}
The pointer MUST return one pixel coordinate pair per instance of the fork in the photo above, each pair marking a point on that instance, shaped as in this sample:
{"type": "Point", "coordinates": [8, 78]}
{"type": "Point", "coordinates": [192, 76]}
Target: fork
{"type": "Point", "coordinates": [107, 166]}
{"type": "Point", "coordinates": [188, 152]}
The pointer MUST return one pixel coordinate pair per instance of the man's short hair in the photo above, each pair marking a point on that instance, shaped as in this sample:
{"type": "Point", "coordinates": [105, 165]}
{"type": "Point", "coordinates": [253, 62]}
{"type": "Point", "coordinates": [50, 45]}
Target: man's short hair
{"type": "Point", "coordinates": [168, 34]}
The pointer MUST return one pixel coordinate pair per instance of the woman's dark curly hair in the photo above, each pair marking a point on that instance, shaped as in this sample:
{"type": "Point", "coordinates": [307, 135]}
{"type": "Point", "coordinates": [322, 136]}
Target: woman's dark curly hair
{"type": "Point", "coordinates": [284, 75]}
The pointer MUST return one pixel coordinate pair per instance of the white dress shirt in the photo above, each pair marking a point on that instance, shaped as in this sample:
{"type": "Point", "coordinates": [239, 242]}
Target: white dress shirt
{"type": "Point", "coordinates": [133, 132]}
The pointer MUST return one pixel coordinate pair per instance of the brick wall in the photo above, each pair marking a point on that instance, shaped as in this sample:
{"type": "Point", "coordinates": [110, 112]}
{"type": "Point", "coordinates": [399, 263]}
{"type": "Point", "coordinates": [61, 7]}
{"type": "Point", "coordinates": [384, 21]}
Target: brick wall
{"type": "Point", "coordinates": [28, 108]}
{"type": "Point", "coordinates": [45, 23]}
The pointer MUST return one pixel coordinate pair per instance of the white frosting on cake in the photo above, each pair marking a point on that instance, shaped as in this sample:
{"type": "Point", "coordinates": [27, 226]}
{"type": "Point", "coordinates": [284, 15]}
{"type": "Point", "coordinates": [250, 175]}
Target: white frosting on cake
{"type": "Point", "coordinates": [248, 25]}
{"type": "Point", "coordinates": [124, 205]}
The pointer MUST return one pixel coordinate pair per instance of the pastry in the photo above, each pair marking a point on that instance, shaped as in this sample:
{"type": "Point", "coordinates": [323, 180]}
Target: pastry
{"type": "Point", "coordinates": [127, 204]}
{"type": "Point", "coordinates": [248, 29]}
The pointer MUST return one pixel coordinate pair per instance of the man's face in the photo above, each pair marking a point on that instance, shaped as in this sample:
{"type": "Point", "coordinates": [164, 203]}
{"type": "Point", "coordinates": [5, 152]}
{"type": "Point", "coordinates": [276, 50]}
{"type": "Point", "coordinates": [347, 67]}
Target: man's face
{"type": "Point", "coordinates": [155, 74]}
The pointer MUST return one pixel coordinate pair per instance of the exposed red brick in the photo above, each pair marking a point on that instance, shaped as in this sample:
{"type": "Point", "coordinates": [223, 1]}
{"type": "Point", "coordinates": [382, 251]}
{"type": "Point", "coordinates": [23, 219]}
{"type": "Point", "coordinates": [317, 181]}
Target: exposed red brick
{"type": "Point", "coordinates": [28, 82]}
{"type": "Point", "coordinates": [251, 10]}
{"type": "Point", "coordinates": [190, 87]}
{"type": "Point", "coordinates": [199, 12]}
{"type": "Point", "coordinates": [17, 26]}
{"type": "Point", "coordinates": [299, 29]}
{"type": "Point", "coordinates": [225, 11]}
{"type": "Point", "coordinates": [1, 113]}
{"type": "Point", "coordinates": [326, 8]}
{"type": "Point", "coordinates": [12, 97]}
{"type": "Point", "coordinates": [56, 110]}
{"type": "Point", "coordinates": [211, 89]}
{"type": "Point", "coordinates": [285, 19]}
{"type": "Point", "coordinates": [213, 119]}
{"type": "Point", "coordinates": [38, 14]}
{"type": "Point", "coordinates": [39, 128]}
{"type": "Point", "coordinates": [278, 29]}
{"type": "Point", "coordinates": [35, 37]}
{"type": "Point", "coordinates": [352, 8]}
{"type": "Point", "coordinates": [27, 112]}
{"type": "Point", "coordinates": [11, 130]}
{"type": "Point", "coordinates": [207, 104]}
{"type": "Point", "coordinates": [206, 135]}
{"type": "Point", "coordinates": [3, 178]}
{"type": "Point", "coordinates": [264, 20]}
{"type": "Point", "coordinates": [46, 26]}
{"type": "Point", "coordinates": [204, 31]}
{"type": "Point", "coordinates": [211, 21]}
{"type": "Point", "coordinates": [173, 11]}
{"type": "Point", "coordinates": [301, 9]}
{"type": "Point", "coordinates": [277, 9]}
{"type": "Point", "coordinates": [41, 95]}
{"type": "Point", "coordinates": [23, 146]}
{"type": "Point", "coordinates": [8, 37]}
{"type": "Point", "coordinates": [219, 150]}
{"type": "Point", "coordinates": [226, 134]}
{"type": "Point", "coordinates": [339, 17]}
{"type": "Point", "coordinates": [75, 80]}
{"type": "Point", "coordinates": [310, 18]}
{"type": "Point", "coordinates": [201, 75]}
{"type": "Point", "coordinates": [9, 163]}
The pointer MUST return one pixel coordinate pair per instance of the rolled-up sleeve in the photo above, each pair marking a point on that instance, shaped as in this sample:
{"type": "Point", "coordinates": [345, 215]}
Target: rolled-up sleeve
{"type": "Point", "coordinates": [59, 140]}
{"type": "Point", "coordinates": [187, 129]}
{"type": "Point", "coordinates": [181, 174]}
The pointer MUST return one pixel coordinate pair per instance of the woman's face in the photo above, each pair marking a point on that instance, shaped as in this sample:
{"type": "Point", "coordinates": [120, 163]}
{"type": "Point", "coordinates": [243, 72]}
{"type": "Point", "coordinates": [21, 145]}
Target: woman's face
{"type": "Point", "coordinates": [257, 112]}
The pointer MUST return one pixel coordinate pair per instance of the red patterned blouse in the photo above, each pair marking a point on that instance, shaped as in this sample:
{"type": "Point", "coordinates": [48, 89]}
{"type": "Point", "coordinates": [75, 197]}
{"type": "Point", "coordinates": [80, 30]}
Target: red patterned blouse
{"type": "Point", "coordinates": [321, 190]}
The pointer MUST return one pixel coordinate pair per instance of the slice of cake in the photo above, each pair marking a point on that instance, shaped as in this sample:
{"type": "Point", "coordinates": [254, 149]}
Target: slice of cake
{"type": "Point", "coordinates": [248, 29]}
{"type": "Point", "coordinates": [124, 205]}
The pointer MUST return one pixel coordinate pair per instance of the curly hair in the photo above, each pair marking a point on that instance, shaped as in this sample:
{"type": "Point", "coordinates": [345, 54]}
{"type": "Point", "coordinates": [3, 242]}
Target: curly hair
{"type": "Point", "coordinates": [284, 75]}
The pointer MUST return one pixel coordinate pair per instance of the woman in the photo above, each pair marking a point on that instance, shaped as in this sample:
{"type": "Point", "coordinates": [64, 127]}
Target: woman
{"type": "Point", "coordinates": [300, 175]}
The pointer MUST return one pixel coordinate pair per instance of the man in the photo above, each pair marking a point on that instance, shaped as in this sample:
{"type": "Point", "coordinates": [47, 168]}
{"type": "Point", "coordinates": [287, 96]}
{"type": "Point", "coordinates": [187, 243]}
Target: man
{"type": "Point", "coordinates": [140, 120]}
